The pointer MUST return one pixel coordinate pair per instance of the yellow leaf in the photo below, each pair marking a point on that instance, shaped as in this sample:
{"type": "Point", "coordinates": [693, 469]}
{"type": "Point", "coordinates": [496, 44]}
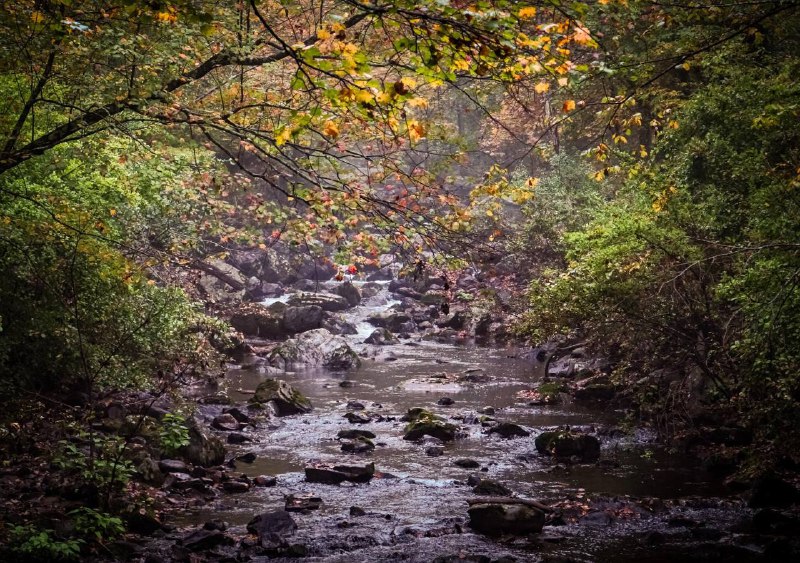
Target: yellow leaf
{"type": "Point", "coordinates": [673, 124]}
{"type": "Point", "coordinates": [323, 34]}
{"type": "Point", "coordinates": [331, 129]}
{"type": "Point", "coordinates": [415, 130]}
{"type": "Point", "coordinates": [541, 87]}
{"type": "Point", "coordinates": [384, 97]}
{"type": "Point", "coordinates": [408, 82]}
{"type": "Point", "coordinates": [37, 17]}
{"type": "Point", "coordinates": [526, 13]}
{"type": "Point", "coordinates": [568, 106]}
{"type": "Point", "coordinates": [283, 136]}
{"type": "Point", "coordinates": [418, 102]}
{"type": "Point", "coordinates": [563, 81]}
{"type": "Point", "coordinates": [112, 212]}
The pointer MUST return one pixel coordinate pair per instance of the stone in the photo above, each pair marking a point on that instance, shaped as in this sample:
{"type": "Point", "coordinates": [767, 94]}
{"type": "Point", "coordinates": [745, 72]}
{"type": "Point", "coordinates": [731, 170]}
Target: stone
{"type": "Point", "coordinates": [392, 320]}
{"type": "Point", "coordinates": [490, 411]}
{"type": "Point", "coordinates": [173, 466]}
{"type": "Point", "coordinates": [302, 318]}
{"type": "Point", "coordinates": [466, 463]}
{"type": "Point", "coordinates": [301, 503]}
{"type": "Point", "coordinates": [285, 399]}
{"type": "Point", "coordinates": [265, 481]}
{"type": "Point", "coordinates": [563, 444]}
{"type": "Point", "coordinates": [357, 418]}
{"type": "Point", "coordinates": [252, 319]}
{"type": "Point", "coordinates": [355, 405]}
{"type": "Point", "coordinates": [218, 291]}
{"type": "Point", "coordinates": [225, 422]}
{"type": "Point", "coordinates": [237, 413]}
{"type": "Point", "coordinates": [424, 423]}
{"type": "Point", "coordinates": [381, 337]}
{"type": "Point", "coordinates": [327, 301]}
{"type": "Point", "coordinates": [150, 471]}
{"type": "Point", "coordinates": [315, 348]}
{"type": "Point", "coordinates": [434, 451]}
{"type": "Point", "coordinates": [238, 438]}
{"type": "Point", "coordinates": [201, 540]}
{"type": "Point", "coordinates": [456, 321]}
{"type": "Point", "coordinates": [339, 473]}
{"type": "Point", "coordinates": [235, 487]}
{"type": "Point", "coordinates": [494, 519]}
{"type": "Point", "coordinates": [509, 430]}
{"type": "Point", "coordinates": [203, 449]}
{"type": "Point", "coordinates": [248, 457]}
{"type": "Point", "coordinates": [358, 446]}
{"type": "Point", "coordinates": [350, 292]}
{"type": "Point", "coordinates": [491, 488]}
{"type": "Point", "coordinates": [272, 528]}
{"type": "Point", "coordinates": [595, 393]}
{"type": "Point", "coordinates": [353, 434]}
{"type": "Point", "coordinates": [356, 511]}
{"type": "Point", "coordinates": [445, 401]}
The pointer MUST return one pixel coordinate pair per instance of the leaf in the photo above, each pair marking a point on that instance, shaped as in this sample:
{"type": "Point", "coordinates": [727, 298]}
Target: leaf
{"type": "Point", "coordinates": [541, 87]}
{"type": "Point", "coordinates": [568, 106]}
{"type": "Point", "coordinates": [527, 13]}
{"type": "Point", "coordinates": [331, 129]}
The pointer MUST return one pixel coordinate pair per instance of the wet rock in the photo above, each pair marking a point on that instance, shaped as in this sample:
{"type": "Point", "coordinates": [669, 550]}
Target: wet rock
{"type": "Point", "coordinates": [356, 511]}
{"type": "Point", "coordinates": [237, 413]}
{"type": "Point", "coordinates": [773, 522]}
{"type": "Point", "coordinates": [467, 463]}
{"type": "Point", "coordinates": [301, 503]}
{"type": "Point", "coordinates": [355, 406]}
{"type": "Point", "coordinates": [358, 446]}
{"type": "Point", "coordinates": [143, 522]}
{"type": "Point", "coordinates": [392, 320]}
{"type": "Point", "coordinates": [173, 466]}
{"type": "Point", "coordinates": [495, 519]}
{"type": "Point", "coordinates": [491, 488]}
{"type": "Point", "coordinates": [563, 444]}
{"type": "Point", "coordinates": [771, 490]}
{"type": "Point", "coordinates": [249, 457]}
{"type": "Point", "coordinates": [150, 471]}
{"type": "Point", "coordinates": [238, 438]}
{"type": "Point", "coordinates": [549, 393]}
{"type": "Point", "coordinates": [487, 411]}
{"type": "Point", "coordinates": [286, 399]}
{"type": "Point", "coordinates": [302, 318]}
{"type": "Point", "coordinates": [357, 418]}
{"type": "Point", "coordinates": [203, 449]}
{"type": "Point", "coordinates": [509, 430]}
{"type": "Point", "coordinates": [327, 301]}
{"type": "Point", "coordinates": [337, 325]}
{"type": "Point", "coordinates": [599, 519]}
{"type": "Point", "coordinates": [215, 525]}
{"type": "Point", "coordinates": [315, 348]}
{"type": "Point", "coordinates": [445, 401]}
{"type": "Point", "coordinates": [272, 528]}
{"type": "Point", "coordinates": [201, 540]}
{"type": "Point", "coordinates": [339, 473]}
{"type": "Point", "coordinates": [225, 422]}
{"type": "Point", "coordinates": [456, 321]}
{"type": "Point", "coordinates": [475, 375]}
{"type": "Point", "coordinates": [265, 481]}
{"type": "Point", "coordinates": [235, 487]}
{"type": "Point", "coordinates": [434, 451]}
{"type": "Point", "coordinates": [597, 392]}
{"type": "Point", "coordinates": [435, 427]}
{"type": "Point", "coordinates": [354, 434]}
{"type": "Point", "coordinates": [381, 337]}
{"type": "Point", "coordinates": [346, 384]}
{"type": "Point", "coordinates": [408, 292]}
{"type": "Point", "coordinates": [253, 319]}
{"type": "Point", "coordinates": [350, 292]}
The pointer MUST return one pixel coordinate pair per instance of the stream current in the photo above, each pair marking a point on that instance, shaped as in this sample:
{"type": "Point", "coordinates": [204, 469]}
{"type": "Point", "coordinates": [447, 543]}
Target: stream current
{"type": "Point", "coordinates": [416, 507]}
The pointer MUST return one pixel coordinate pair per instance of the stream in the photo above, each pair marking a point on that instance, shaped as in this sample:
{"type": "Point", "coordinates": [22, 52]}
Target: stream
{"type": "Point", "coordinates": [416, 507]}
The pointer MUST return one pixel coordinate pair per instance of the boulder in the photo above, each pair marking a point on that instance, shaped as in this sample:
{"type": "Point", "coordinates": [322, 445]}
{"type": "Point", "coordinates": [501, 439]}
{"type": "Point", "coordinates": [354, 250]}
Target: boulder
{"type": "Point", "coordinates": [217, 290]}
{"type": "Point", "coordinates": [509, 430]}
{"type": "Point", "coordinates": [252, 319]}
{"type": "Point", "coordinates": [272, 528]}
{"type": "Point", "coordinates": [381, 336]}
{"type": "Point", "coordinates": [201, 540]}
{"type": "Point", "coordinates": [349, 292]}
{"type": "Point", "coordinates": [358, 445]}
{"type": "Point", "coordinates": [339, 473]}
{"type": "Point", "coordinates": [491, 488]}
{"type": "Point", "coordinates": [285, 399]}
{"type": "Point", "coordinates": [203, 449]}
{"type": "Point", "coordinates": [315, 348]}
{"type": "Point", "coordinates": [337, 325]}
{"type": "Point", "coordinates": [393, 320]}
{"type": "Point", "coordinates": [457, 321]}
{"type": "Point", "coordinates": [596, 392]}
{"type": "Point", "coordinates": [225, 422]}
{"type": "Point", "coordinates": [173, 466]}
{"type": "Point", "coordinates": [425, 423]}
{"type": "Point", "coordinates": [302, 318]}
{"type": "Point", "coordinates": [328, 301]}
{"type": "Point", "coordinates": [355, 434]}
{"type": "Point", "coordinates": [494, 519]}
{"type": "Point", "coordinates": [563, 444]}
{"type": "Point", "coordinates": [771, 490]}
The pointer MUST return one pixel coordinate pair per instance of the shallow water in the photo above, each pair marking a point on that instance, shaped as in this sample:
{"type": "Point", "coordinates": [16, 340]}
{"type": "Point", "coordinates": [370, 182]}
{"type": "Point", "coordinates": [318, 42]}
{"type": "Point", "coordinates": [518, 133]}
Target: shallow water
{"type": "Point", "coordinates": [417, 497]}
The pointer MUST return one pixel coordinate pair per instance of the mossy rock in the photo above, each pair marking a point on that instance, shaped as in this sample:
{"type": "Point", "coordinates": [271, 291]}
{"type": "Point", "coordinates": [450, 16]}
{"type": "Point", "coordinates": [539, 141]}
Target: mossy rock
{"type": "Point", "coordinates": [563, 444]}
{"type": "Point", "coordinates": [286, 399]}
{"type": "Point", "coordinates": [444, 431]}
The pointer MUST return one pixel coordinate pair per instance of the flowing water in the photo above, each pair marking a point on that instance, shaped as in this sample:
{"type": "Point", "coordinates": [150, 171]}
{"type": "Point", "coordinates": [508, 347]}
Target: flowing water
{"type": "Point", "coordinates": [416, 507]}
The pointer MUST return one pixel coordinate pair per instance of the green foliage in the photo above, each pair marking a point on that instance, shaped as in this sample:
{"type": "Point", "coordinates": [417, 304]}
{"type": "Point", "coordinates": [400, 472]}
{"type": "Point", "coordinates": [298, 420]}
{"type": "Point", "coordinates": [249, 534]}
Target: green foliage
{"type": "Point", "coordinates": [98, 526]}
{"type": "Point", "coordinates": [43, 545]}
{"type": "Point", "coordinates": [95, 459]}
{"type": "Point", "coordinates": [174, 434]}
